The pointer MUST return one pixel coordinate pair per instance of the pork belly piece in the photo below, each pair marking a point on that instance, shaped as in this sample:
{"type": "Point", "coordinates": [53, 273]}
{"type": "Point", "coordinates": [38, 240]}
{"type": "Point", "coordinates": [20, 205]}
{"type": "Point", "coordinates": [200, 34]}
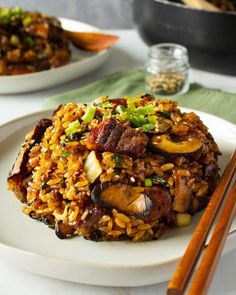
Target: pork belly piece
{"type": "Point", "coordinates": [115, 137]}
{"type": "Point", "coordinates": [17, 179]}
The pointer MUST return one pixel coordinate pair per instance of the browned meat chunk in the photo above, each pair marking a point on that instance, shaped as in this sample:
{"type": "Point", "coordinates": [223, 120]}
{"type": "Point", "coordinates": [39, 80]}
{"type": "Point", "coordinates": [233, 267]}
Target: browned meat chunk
{"type": "Point", "coordinates": [161, 202]}
{"type": "Point", "coordinates": [19, 172]}
{"type": "Point", "coordinates": [115, 137]}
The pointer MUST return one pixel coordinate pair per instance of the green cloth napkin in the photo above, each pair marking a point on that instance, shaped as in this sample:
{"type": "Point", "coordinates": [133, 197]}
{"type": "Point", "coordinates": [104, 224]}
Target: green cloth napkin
{"type": "Point", "coordinates": [131, 82]}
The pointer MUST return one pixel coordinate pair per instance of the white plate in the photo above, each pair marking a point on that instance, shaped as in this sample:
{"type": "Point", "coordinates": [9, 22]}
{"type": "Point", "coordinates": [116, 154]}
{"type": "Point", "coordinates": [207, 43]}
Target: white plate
{"type": "Point", "coordinates": [81, 63]}
{"type": "Point", "coordinates": [34, 247]}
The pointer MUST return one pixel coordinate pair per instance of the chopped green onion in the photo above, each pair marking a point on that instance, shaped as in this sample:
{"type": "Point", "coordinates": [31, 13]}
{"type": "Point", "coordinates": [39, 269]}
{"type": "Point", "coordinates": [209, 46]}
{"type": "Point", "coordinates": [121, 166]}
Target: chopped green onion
{"type": "Point", "coordinates": [65, 154]}
{"type": "Point", "coordinates": [148, 127]}
{"type": "Point", "coordinates": [152, 119]}
{"type": "Point", "coordinates": [120, 109]}
{"type": "Point", "coordinates": [7, 13]}
{"type": "Point", "coordinates": [133, 100]}
{"type": "Point", "coordinates": [148, 182]}
{"type": "Point", "coordinates": [117, 159]}
{"type": "Point", "coordinates": [26, 21]}
{"type": "Point", "coordinates": [183, 219]}
{"type": "Point", "coordinates": [29, 41]}
{"type": "Point", "coordinates": [106, 104]}
{"type": "Point", "coordinates": [72, 127]}
{"type": "Point", "coordinates": [16, 10]}
{"type": "Point", "coordinates": [138, 120]}
{"type": "Point", "coordinates": [89, 115]}
{"type": "Point", "coordinates": [146, 110]}
{"type": "Point", "coordinates": [4, 12]}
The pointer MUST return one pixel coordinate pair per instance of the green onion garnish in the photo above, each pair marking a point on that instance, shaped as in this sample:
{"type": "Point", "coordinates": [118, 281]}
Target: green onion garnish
{"type": "Point", "coordinates": [138, 120]}
{"type": "Point", "coordinates": [152, 119]}
{"type": "Point", "coordinates": [146, 110]}
{"type": "Point", "coordinates": [72, 127]}
{"type": "Point", "coordinates": [148, 182]}
{"type": "Point", "coordinates": [29, 41]}
{"type": "Point", "coordinates": [26, 21]}
{"type": "Point", "coordinates": [7, 13]}
{"type": "Point", "coordinates": [133, 100]}
{"type": "Point", "coordinates": [120, 109]}
{"type": "Point", "coordinates": [65, 154]}
{"type": "Point", "coordinates": [89, 115]}
{"type": "Point", "coordinates": [148, 127]}
{"type": "Point", "coordinates": [183, 219]}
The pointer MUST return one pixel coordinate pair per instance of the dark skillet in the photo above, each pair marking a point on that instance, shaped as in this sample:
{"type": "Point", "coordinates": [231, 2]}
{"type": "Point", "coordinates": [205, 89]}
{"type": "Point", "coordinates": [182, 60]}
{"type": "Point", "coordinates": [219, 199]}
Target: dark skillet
{"type": "Point", "coordinates": [209, 36]}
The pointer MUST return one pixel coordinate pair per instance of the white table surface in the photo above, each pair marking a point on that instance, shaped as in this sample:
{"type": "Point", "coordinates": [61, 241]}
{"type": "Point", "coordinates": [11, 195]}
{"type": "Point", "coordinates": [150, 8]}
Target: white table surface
{"type": "Point", "coordinates": [128, 53]}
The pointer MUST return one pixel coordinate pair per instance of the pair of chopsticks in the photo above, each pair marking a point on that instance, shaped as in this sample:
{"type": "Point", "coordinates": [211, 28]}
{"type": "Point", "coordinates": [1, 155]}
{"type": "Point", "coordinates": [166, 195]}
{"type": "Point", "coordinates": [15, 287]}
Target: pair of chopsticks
{"type": "Point", "coordinates": [204, 273]}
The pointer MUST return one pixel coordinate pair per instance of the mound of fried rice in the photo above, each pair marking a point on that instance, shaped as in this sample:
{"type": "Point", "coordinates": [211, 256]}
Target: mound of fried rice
{"type": "Point", "coordinates": [76, 171]}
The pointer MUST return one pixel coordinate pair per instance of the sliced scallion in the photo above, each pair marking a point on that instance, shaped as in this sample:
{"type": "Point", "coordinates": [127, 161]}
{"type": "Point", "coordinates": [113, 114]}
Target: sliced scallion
{"type": "Point", "coordinates": [138, 120]}
{"type": "Point", "coordinates": [72, 127]}
{"type": "Point", "coordinates": [183, 219]}
{"type": "Point", "coordinates": [148, 182]}
{"type": "Point", "coordinates": [146, 110]}
{"type": "Point", "coordinates": [26, 21]}
{"type": "Point", "coordinates": [152, 119]}
{"type": "Point", "coordinates": [65, 154]}
{"type": "Point", "coordinates": [120, 109]}
{"type": "Point", "coordinates": [148, 127]}
{"type": "Point", "coordinates": [89, 115]}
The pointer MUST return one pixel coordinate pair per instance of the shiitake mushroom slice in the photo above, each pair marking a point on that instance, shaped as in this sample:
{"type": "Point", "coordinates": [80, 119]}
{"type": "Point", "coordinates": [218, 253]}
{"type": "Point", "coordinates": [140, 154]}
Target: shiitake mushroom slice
{"type": "Point", "coordinates": [164, 143]}
{"type": "Point", "coordinates": [124, 197]}
{"type": "Point", "coordinates": [146, 203]}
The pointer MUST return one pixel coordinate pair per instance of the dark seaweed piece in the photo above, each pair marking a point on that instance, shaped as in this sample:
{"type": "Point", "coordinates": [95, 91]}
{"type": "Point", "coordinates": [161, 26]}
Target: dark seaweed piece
{"type": "Point", "coordinates": [76, 136]}
{"type": "Point", "coordinates": [43, 185]}
{"type": "Point", "coordinates": [160, 180]}
{"type": "Point", "coordinates": [165, 114]}
{"type": "Point", "coordinates": [118, 160]}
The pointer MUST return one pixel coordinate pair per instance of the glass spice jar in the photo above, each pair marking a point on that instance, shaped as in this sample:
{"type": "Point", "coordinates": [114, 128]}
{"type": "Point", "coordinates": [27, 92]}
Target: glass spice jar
{"type": "Point", "coordinates": [167, 69]}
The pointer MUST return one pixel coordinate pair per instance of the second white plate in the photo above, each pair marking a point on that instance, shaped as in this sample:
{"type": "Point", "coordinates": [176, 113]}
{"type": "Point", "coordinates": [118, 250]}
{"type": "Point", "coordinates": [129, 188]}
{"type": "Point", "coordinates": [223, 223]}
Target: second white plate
{"type": "Point", "coordinates": [81, 63]}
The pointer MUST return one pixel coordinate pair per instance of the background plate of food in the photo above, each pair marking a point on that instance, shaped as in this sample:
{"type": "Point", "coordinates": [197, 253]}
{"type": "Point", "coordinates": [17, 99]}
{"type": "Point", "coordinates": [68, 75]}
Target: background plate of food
{"type": "Point", "coordinates": [34, 247]}
{"type": "Point", "coordinates": [36, 53]}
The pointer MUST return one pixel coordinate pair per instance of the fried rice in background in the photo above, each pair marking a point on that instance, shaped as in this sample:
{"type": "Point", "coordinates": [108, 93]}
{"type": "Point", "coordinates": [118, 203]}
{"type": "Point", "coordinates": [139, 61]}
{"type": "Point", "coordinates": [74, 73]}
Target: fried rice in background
{"type": "Point", "coordinates": [30, 42]}
{"type": "Point", "coordinates": [119, 169]}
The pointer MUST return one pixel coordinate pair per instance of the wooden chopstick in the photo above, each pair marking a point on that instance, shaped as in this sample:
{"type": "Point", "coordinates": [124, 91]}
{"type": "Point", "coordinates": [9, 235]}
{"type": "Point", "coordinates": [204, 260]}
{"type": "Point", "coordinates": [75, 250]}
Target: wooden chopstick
{"type": "Point", "coordinates": [186, 266]}
{"type": "Point", "coordinates": [205, 271]}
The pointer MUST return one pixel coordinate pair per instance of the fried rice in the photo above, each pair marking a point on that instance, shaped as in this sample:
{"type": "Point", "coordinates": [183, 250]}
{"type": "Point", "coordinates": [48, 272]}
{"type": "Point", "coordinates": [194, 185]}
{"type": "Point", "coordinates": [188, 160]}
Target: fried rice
{"type": "Point", "coordinates": [119, 169]}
